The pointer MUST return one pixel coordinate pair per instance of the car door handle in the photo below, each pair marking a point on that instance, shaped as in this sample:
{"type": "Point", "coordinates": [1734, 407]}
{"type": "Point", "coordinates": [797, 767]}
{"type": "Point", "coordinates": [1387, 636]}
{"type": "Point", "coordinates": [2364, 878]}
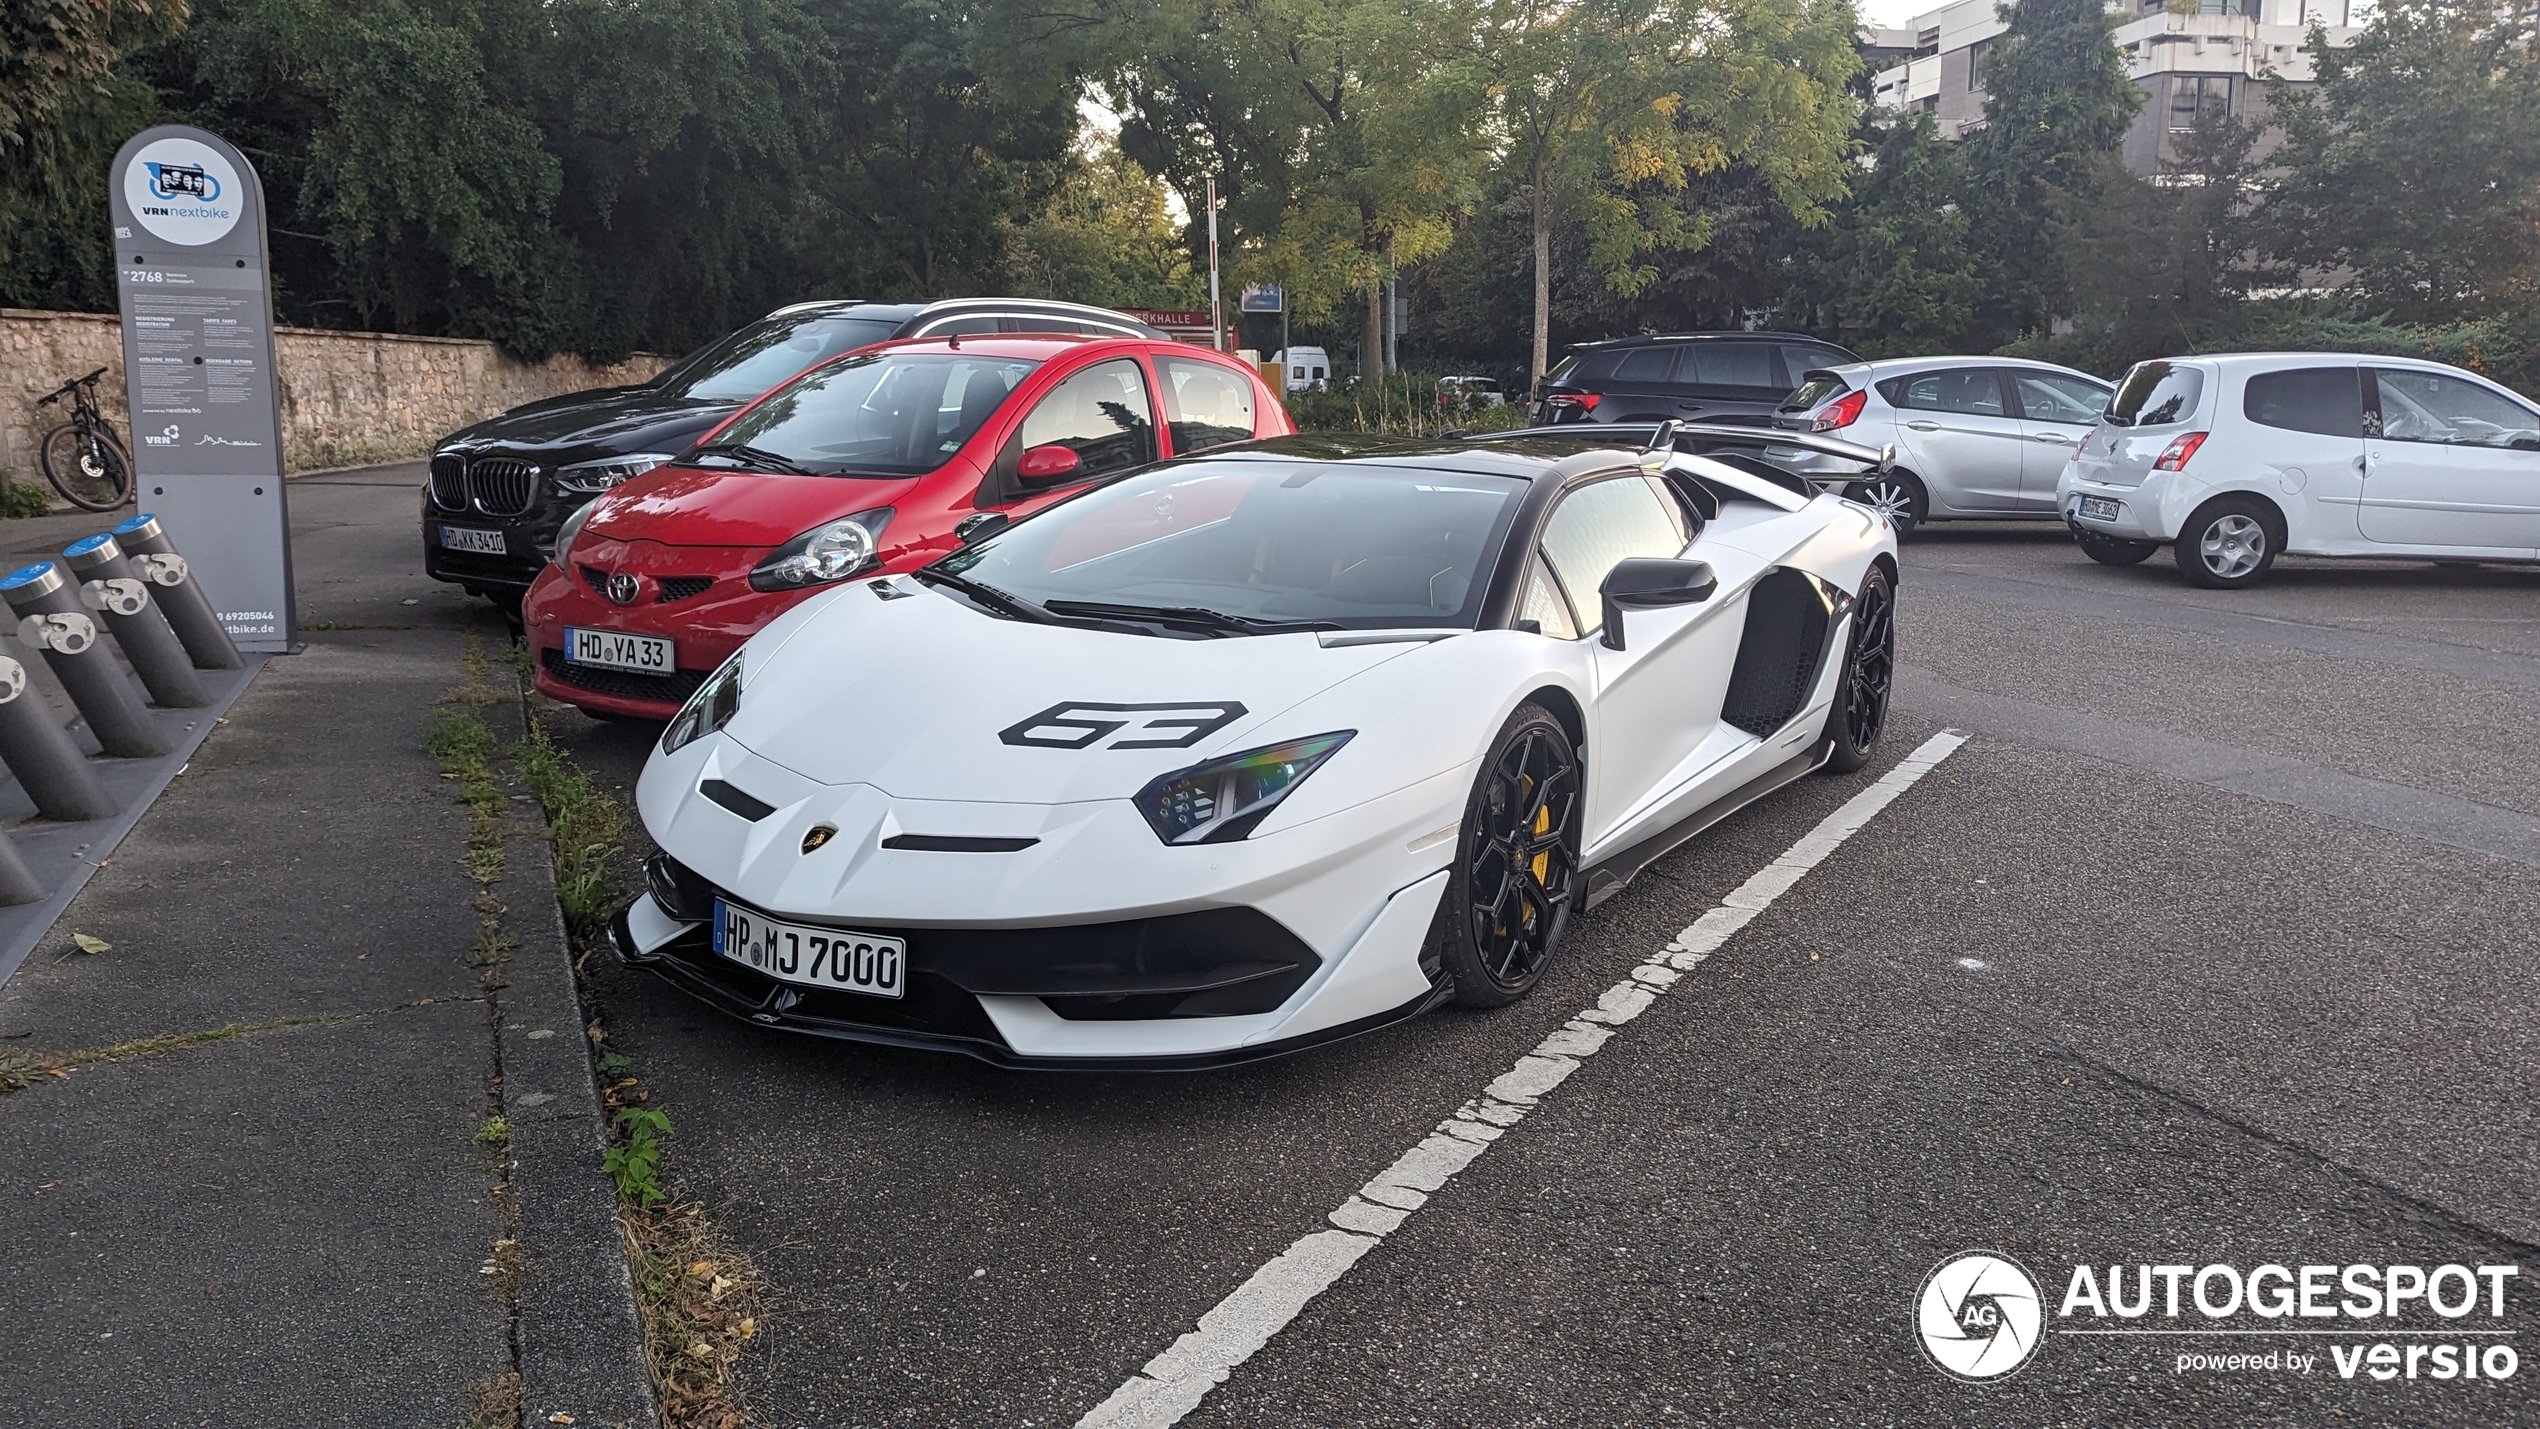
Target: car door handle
{"type": "Point", "coordinates": [2052, 437]}
{"type": "Point", "coordinates": [1924, 426]}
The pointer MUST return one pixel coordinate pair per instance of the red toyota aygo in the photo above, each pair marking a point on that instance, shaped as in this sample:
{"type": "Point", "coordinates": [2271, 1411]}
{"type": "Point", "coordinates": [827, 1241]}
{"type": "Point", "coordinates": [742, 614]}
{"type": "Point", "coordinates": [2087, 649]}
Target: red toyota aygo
{"type": "Point", "coordinates": [873, 464]}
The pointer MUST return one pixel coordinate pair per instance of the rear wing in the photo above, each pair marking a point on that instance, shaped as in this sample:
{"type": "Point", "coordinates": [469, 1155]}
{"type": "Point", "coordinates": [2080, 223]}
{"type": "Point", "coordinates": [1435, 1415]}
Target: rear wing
{"type": "Point", "coordinates": [1698, 438]}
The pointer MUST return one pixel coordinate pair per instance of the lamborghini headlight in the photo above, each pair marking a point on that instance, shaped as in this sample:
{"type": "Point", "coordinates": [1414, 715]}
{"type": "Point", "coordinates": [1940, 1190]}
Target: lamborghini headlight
{"type": "Point", "coordinates": [1225, 799]}
{"type": "Point", "coordinates": [709, 709]}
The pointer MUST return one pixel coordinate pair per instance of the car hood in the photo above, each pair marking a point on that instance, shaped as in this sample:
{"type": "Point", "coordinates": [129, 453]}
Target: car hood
{"type": "Point", "coordinates": [614, 420]}
{"type": "Point", "coordinates": [690, 506]}
{"type": "Point", "coordinates": [924, 697]}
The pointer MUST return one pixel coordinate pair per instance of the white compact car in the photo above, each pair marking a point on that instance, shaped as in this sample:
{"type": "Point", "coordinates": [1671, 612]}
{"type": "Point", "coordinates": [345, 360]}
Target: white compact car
{"type": "Point", "coordinates": [1977, 438]}
{"type": "Point", "coordinates": [2234, 459]}
{"type": "Point", "coordinates": [1253, 751]}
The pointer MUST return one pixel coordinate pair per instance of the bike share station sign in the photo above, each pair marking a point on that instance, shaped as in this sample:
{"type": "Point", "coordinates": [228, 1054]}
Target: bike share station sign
{"type": "Point", "coordinates": [197, 303]}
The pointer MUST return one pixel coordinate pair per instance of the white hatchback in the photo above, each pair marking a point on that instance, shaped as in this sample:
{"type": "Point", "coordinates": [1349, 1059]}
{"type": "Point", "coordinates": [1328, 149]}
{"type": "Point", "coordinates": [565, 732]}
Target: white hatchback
{"type": "Point", "coordinates": [2235, 459]}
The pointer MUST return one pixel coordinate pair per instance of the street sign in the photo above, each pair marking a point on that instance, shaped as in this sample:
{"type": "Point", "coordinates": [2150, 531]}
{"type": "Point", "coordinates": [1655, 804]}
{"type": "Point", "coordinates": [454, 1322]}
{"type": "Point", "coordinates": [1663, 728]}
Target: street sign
{"type": "Point", "coordinates": [205, 408]}
{"type": "Point", "coordinates": [1265, 298]}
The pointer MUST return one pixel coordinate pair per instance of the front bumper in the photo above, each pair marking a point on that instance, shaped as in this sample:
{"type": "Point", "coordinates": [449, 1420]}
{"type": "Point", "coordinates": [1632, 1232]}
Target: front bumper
{"type": "Point", "coordinates": [528, 538]}
{"type": "Point", "coordinates": [939, 1014]}
{"type": "Point", "coordinates": [704, 608]}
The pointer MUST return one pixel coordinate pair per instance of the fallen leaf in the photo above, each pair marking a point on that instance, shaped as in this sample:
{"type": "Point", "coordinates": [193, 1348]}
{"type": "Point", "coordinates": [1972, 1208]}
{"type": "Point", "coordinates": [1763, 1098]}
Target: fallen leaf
{"type": "Point", "coordinates": [702, 1267]}
{"type": "Point", "coordinates": [721, 1287]}
{"type": "Point", "coordinates": [423, 1002]}
{"type": "Point", "coordinates": [87, 943]}
{"type": "Point", "coordinates": [61, 1072]}
{"type": "Point", "coordinates": [749, 1326]}
{"type": "Point", "coordinates": [552, 1418]}
{"type": "Point", "coordinates": [417, 602]}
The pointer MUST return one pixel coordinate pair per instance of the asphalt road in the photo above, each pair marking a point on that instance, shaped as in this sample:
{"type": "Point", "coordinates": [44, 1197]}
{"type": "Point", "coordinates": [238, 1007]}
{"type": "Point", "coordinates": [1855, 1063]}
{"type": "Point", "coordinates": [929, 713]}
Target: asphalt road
{"type": "Point", "coordinates": [2214, 944]}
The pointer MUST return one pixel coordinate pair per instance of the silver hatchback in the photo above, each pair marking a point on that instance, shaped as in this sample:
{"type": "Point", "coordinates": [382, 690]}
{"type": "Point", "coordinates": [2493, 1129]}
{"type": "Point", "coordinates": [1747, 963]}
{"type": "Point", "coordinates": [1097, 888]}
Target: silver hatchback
{"type": "Point", "coordinates": [1977, 438]}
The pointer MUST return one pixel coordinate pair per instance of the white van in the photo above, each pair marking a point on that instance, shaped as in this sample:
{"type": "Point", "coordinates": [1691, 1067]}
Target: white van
{"type": "Point", "coordinates": [1309, 369]}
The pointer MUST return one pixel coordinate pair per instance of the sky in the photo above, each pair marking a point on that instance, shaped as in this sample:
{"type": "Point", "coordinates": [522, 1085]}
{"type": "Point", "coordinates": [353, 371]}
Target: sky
{"type": "Point", "coordinates": [1895, 14]}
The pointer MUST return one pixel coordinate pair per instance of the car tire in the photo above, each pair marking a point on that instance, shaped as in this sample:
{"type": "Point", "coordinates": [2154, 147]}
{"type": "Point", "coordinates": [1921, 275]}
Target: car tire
{"type": "Point", "coordinates": [1897, 495]}
{"type": "Point", "coordinates": [2229, 544]}
{"type": "Point", "coordinates": [1869, 676]}
{"type": "Point", "coordinates": [2114, 550]}
{"type": "Point", "coordinates": [1516, 875]}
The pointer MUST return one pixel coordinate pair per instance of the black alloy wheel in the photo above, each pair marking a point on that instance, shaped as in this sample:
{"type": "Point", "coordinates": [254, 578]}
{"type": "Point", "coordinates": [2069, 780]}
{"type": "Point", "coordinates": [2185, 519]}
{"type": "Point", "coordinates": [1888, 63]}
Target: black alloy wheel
{"type": "Point", "coordinates": [1896, 495]}
{"type": "Point", "coordinates": [1516, 873]}
{"type": "Point", "coordinates": [1869, 676]}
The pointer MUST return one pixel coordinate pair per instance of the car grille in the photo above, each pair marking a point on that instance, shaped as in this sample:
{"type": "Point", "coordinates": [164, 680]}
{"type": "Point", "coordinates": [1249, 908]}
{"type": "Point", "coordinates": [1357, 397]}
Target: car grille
{"type": "Point", "coordinates": [595, 578]}
{"type": "Point", "coordinates": [449, 482]}
{"type": "Point", "coordinates": [501, 486]}
{"type": "Point", "coordinates": [682, 587]}
{"type": "Point", "coordinates": [673, 689]}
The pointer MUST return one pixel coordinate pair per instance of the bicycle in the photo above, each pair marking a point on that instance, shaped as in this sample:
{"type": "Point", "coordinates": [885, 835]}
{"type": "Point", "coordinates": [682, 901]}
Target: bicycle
{"type": "Point", "coordinates": [83, 457]}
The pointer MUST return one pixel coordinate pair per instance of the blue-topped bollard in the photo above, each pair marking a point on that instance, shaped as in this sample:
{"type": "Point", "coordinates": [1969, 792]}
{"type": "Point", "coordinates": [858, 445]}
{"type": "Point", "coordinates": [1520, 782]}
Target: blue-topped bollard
{"type": "Point", "coordinates": [180, 599]}
{"type": "Point", "coordinates": [50, 619]}
{"type": "Point", "coordinates": [109, 585]}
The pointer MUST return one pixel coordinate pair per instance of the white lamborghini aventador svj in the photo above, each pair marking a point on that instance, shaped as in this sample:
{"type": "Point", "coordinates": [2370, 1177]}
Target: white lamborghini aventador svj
{"type": "Point", "coordinates": [1239, 754]}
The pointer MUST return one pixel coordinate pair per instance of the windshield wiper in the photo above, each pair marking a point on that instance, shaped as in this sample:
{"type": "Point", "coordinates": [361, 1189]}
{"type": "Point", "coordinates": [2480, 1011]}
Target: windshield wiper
{"type": "Point", "coordinates": [1196, 617]}
{"type": "Point", "coordinates": [756, 458]}
{"type": "Point", "coordinates": [1013, 605]}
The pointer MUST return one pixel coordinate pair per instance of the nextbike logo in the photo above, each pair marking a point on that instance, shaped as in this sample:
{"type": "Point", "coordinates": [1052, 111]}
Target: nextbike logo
{"type": "Point", "coordinates": [182, 191]}
{"type": "Point", "coordinates": [1978, 1316]}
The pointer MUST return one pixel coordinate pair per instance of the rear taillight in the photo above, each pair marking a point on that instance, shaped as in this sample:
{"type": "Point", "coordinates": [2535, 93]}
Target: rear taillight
{"type": "Point", "coordinates": [1584, 401]}
{"type": "Point", "coordinates": [1843, 413]}
{"type": "Point", "coordinates": [2174, 456]}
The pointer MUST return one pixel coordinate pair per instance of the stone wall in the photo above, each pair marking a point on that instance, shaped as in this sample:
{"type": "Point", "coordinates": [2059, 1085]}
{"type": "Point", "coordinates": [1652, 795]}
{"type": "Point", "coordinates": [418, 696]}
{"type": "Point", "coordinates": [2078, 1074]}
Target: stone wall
{"type": "Point", "coordinates": [348, 398]}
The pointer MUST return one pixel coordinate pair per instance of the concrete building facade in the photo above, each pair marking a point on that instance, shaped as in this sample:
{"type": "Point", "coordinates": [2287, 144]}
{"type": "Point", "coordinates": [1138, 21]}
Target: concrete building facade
{"type": "Point", "coordinates": [2209, 59]}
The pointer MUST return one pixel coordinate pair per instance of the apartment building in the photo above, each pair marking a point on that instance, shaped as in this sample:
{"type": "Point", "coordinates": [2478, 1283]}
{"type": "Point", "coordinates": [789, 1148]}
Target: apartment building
{"type": "Point", "coordinates": [2189, 61]}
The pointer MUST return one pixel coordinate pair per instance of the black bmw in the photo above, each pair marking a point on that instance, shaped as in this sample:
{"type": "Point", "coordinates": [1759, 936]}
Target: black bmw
{"type": "Point", "coordinates": [500, 489]}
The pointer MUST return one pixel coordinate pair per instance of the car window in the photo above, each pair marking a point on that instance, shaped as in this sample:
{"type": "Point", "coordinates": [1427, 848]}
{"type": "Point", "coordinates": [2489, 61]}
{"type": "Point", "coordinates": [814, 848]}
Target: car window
{"type": "Point", "coordinates": [1591, 367]}
{"type": "Point", "coordinates": [763, 354]}
{"type": "Point", "coordinates": [2451, 411]}
{"type": "Point", "coordinates": [1544, 606]}
{"type": "Point", "coordinates": [1799, 357]}
{"type": "Point", "coordinates": [1206, 405]}
{"type": "Point", "coordinates": [1362, 546]}
{"type": "Point", "coordinates": [1731, 365]}
{"type": "Point", "coordinates": [888, 414]}
{"type": "Point", "coordinates": [2050, 398]}
{"type": "Point", "coordinates": [2156, 394]}
{"type": "Point", "coordinates": [2325, 400]}
{"type": "Point", "coordinates": [1647, 365]}
{"type": "Point", "coordinates": [1101, 414]}
{"type": "Point", "coordinates": [1971, 391]}
{"type": "Point", "coordinates": [1815, 388]}
{"type": "Point", "coordinates": [1599, 526]}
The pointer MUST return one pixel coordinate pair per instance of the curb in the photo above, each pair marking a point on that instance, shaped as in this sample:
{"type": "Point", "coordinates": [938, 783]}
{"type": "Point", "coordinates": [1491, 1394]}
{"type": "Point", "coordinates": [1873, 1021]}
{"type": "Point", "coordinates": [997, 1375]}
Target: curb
{"type": "Point", "coordinates": [581, 1345]}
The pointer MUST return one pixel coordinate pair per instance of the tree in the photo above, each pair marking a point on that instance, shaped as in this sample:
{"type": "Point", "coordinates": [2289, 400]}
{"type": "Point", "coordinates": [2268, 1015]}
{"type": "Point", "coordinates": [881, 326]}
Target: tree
{"type": "Point", "coordinates": [2415, 164]}
{"type": "Point", "coordinates": [1612, 107]}
{"type": "Point", "coordinates": [1892, 274]}
{"type": "Point", "coordinates": [1106, 238]}
{"type": "Point", "coordinates": [55, 53]}
{"type": "Point", "coordinates": [2162, 267]}
{"type": "Point", "coordinates": [2057, 100]}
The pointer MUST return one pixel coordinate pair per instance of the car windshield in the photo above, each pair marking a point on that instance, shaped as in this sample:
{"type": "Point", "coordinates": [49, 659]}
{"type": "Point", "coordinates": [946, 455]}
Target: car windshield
{"type": "Point", "coordinates": [1346, 544]}
{"type": "Point", "coordinates": [2156, 394]}
{"type": "Point", "coordinates": [888, 414]}
{"type": "Point", "coordinates": [767, 352]}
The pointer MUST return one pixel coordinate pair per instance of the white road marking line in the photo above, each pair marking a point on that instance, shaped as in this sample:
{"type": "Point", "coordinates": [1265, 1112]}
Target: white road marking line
{"type": "Point", "coordinates": [1174, 1382]}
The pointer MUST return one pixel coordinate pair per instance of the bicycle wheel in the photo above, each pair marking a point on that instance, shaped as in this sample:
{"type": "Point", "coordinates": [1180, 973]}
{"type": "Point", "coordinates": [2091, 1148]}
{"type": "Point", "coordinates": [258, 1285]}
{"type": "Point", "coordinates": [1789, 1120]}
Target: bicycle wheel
{"type": "Point", "coordinates": [89, 469]}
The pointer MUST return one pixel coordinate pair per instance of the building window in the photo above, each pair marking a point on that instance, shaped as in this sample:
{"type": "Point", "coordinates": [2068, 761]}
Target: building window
{"type": "Point", "coordinates": [1975, 64]}
{"type": "Point", "coordinates": [2192, 95]}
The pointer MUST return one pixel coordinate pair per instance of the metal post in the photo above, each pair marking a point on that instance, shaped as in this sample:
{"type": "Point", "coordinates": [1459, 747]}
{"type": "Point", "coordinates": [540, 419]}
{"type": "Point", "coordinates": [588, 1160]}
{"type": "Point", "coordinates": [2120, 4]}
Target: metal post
{"type": "Point", "coordinates": [48, 766]}
{"type": "Point", "coordinates": [189, 613]}
{"type": "Point", "coordinates": [50, 620]}
{"type": "Point", "coordinates": [18, 883]}
{"type": "Point", "coordinates": [109, 585]}
{"type": "Point", "coordinates": [1216, 322]}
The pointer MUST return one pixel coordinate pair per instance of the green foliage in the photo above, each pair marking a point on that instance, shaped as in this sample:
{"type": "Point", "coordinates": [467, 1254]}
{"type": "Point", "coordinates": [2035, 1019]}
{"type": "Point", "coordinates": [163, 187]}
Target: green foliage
{"type": "Point", "coordinates": [496, 1131]}
{"type": "Point", "coordinates": [1402, 404]}
{"type": "Point", "coordinates": [1105, 237]}
{"type": "Point", "coordinates": [56, 53]}
{"type": "Point", "coordinates": [2058, 102]}
{"type": "Point", "coordinates": [585, 828]}
{"type": "Point", "coordinates": [633, 1160]}
{"type": "Point", "coordinates": [2161, 268]}
{"type": "Point", "coordinates": [2415, 164]}
{"type": "Point", "coordinates": [21, 498]}
{"type": "Point", "coordinates": [460, 743]}
{"type": "Point", "coordinates": [1893, 275]}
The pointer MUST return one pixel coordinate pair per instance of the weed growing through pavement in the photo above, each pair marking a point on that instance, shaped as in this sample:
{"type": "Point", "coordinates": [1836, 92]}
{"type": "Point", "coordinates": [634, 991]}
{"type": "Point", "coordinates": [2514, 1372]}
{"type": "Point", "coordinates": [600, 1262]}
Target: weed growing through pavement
{"type": "Point", "coordinates": [494, 1403]}
{"type": "Point", "coordinates": [586, 828]}
{"type": "Point", "coordinates": [19, 1072]}
{"type": "Point", "coordinates": [497, 1131]}
{"type": "Point", "coordinates": [634, 1162]}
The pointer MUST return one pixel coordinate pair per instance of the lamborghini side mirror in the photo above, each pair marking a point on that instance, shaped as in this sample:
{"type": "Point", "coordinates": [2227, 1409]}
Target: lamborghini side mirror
{"type": "Point", "coordinates": [1648, 583]}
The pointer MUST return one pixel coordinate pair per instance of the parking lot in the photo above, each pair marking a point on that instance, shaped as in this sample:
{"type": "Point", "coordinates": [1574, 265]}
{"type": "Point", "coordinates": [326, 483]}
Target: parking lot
{"type": "Point", "coordinates": [2210, 945]}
